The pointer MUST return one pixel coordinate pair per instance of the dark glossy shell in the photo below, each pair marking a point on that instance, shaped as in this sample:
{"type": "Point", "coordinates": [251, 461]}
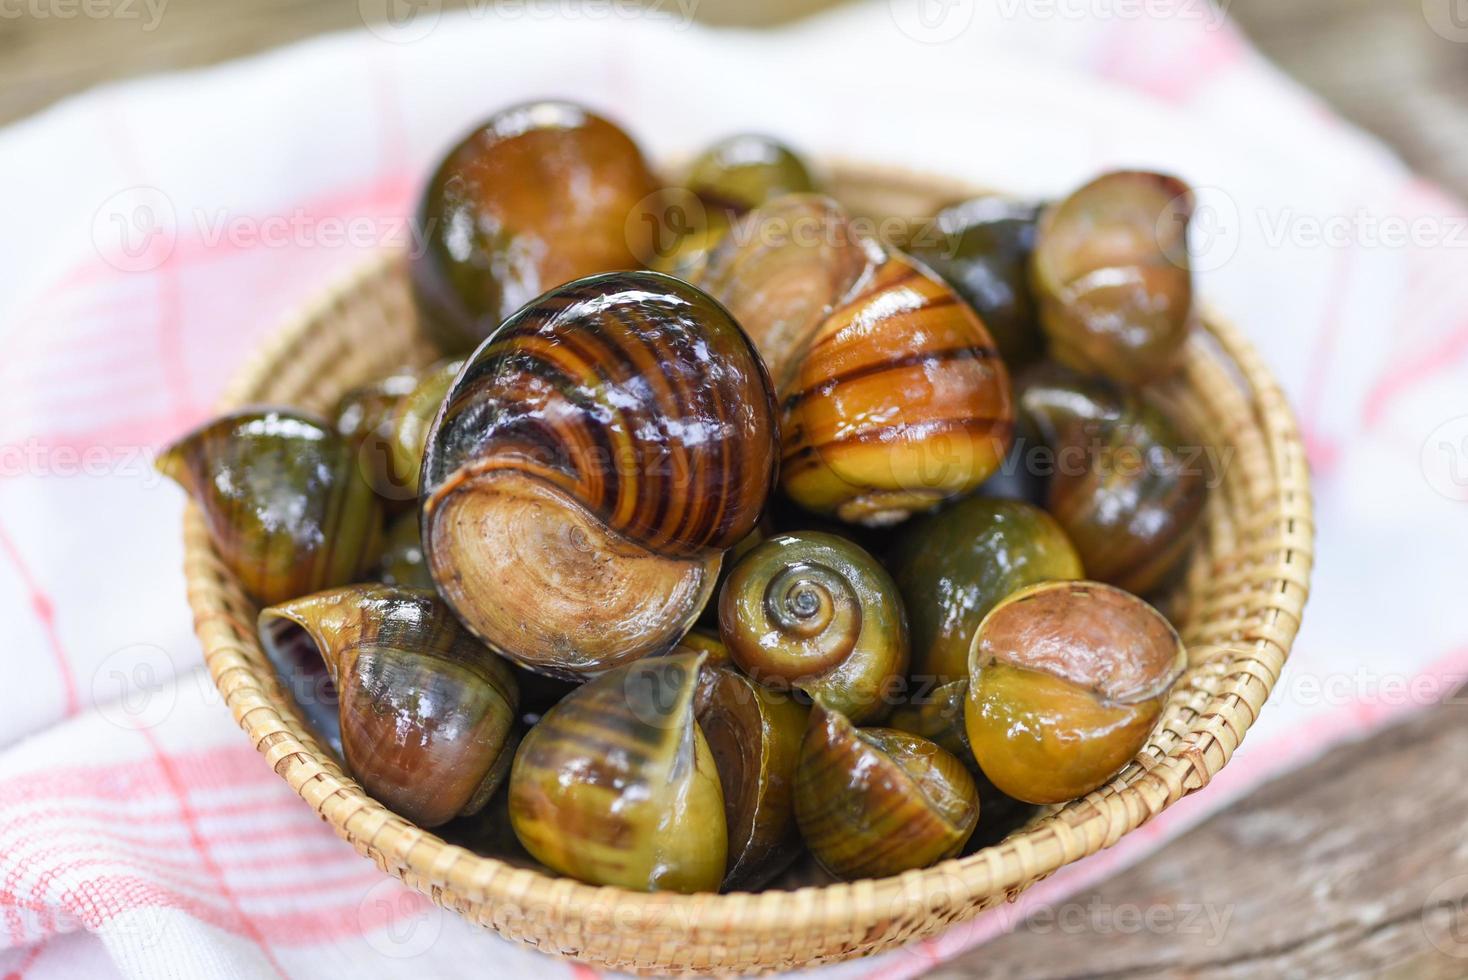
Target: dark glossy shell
{"type": "Point", "coordinates": [815, 612]}
{"type": "Point", "coordinates": [539, 195]}
{"type": "Point", "coordinates": [982, 248]}
{"type": "Point", "coordinates": [425, 712]}
{"type": "Point", "coordinates": [742, 172]}
{"type": "Point", "coordinates": [874, 802]}
{"type": "Point", "coordinates": [935, 712]}
{"type": "Point", "coordinates": [724, 182]}
{"type": "Point", "coordinates": [1128, 486]}
{"type": "Point", "coordinates": [591, 463]}
{"type": "Point", "coordinates": [284, 499]}
{"type": "Point", "coordinates": [616, 785]}
{"type": "Point", "coordinates": [364, 417]}
{"type": "Point", "coordinates": [403, 562]}
{"type": "Point", "coordinates": [412, 419]}
{"type": "Point", "coordinates": [1113, 277]}
{"type": "Point", "coordinates": [755, 735]}
{"type": "Point", "coordinates": [954, 566]}
{"type": "Point", "coordinates": [1067, 679]}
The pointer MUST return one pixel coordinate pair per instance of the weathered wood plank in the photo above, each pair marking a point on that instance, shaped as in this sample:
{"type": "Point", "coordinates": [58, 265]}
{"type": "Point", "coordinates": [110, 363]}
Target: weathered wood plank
{"type": "Point", "coordinates": [1355, 865]}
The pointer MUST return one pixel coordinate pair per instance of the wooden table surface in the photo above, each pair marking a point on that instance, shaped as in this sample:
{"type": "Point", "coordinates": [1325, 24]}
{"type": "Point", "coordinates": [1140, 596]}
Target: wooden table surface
{"type": "Point", "coordinates": [1355, 865]}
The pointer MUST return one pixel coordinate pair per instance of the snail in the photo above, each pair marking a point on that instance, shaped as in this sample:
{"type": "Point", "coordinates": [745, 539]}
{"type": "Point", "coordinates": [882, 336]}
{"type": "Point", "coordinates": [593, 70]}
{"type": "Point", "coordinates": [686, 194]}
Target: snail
{"type": "Point", "coordinates": [424, 713]}
{"type": "Point", "coordinates": [730, 178]}
{"type": "Point", "coordinates": [364, 417]}
{"type": "Point", "coordinates": [1066, 681]}
{"type": "Point", "coordinates": [935, 712]}
{"type": "Point", "coordinates": [952, 567]}
{"type": "Point", "coordinates": [1128, 488]}
{"type": "Point", "coordinates": [1113, 276]}
{"type": "Point", "coordinates": [872, 802]}
{"type": "Point", "coordinates": [536, 196]}
{"type": "Point", "coordinates": [412, 418]}
{"type": "Point", "coordinates": [286, 504]}
{"type": "Point", "coordinates": [814, 612]}
{"type": "Point", "coordinates": [402, 561]}
{"type": "Point", "coordinates": [982, 248]}
{"type": "Point", "coordinates": [591, 463]}
{"type": "Point", "coordinates": [616, 784]}
{"type": "Point", "coordinates": [892, 393]}
{"type": "Point", "coordinates": [755, 735]}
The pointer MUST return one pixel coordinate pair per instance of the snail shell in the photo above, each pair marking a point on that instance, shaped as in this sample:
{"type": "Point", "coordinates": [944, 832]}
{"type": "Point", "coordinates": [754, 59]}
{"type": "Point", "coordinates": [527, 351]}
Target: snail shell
{"type": "Point", "coordinates": [590, 464]}
{"type": "Point", "coordinates": [1066, 681]}
{"type": "Point", "coordinates": [538, 195]}
{"type": "Point", "coordinates": [815, 612]}
{"type": "Point", "coordinates": [1113, 276]}
{"type": "Point", "coordinates": [364, 417]}
{"type": "Point", "coordinates": [755, 735]}
{"type": "Point", "coordinates": [412, 418]}
{"type": "Point", "coordinates": [952, 567]}
{"type": "Point", "coordinates": [402, 560]}
{"type": "Point", "coordinates": [616, 784]}
{"type": "Point", "coordinates": [424, 712]}
{"type": "Point", "coordinates": [892, 392]}
{"type": "Point", "coordinates": [727, 180]}
{"type": "Point", "coordinates": [286, 505]}
{"type": "Point", "coordinates": [983, 249]}
{"type": "Point", "coordinates": [873, 802]}
{"type": "Point", "coordinates": [1128, 489]}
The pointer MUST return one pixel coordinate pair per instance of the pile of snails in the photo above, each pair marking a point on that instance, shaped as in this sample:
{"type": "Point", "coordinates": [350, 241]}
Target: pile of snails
{"type": "Point", "coordinates": [701, 551]}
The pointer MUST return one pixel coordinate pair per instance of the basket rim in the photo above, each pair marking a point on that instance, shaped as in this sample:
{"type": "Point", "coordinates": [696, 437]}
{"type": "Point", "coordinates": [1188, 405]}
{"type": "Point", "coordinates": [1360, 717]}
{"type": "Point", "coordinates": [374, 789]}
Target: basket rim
{"type": "Point", "coordinates": [454, 875]}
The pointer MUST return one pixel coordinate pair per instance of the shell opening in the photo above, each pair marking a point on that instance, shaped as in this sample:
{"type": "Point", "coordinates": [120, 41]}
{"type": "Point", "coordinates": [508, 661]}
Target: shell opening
{"type": "Point", "coordinates": [303, 672]}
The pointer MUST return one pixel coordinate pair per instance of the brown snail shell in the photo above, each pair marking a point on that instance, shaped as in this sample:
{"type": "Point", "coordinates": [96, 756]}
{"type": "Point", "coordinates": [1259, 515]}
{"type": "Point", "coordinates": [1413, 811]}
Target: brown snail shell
{"type": "Point", "coordinates": [590, 465]}
{"type": "Point", "coordinates": [892, 393]}
{"type": "Point", "coordinates": [285, 502]}
{"type": "Point", "coordinates": [873, 802]}
{"type": "Point", "coordinates": [425, 713]}
{"type": "Point", "coordinates": [1113, 276]}
{"type": "Point", "coordinates": [538, 195]}
{"type": "Point", "coordinates": [755, 735]}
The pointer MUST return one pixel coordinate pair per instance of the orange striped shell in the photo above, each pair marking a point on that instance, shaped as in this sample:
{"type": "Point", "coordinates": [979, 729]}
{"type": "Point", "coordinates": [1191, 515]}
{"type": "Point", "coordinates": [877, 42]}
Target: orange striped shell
{"type": "Point", "coordinates": [893, 396]}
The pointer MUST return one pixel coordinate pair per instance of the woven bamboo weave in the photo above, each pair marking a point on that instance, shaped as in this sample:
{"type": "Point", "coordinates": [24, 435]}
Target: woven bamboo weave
{"type": "Point", "coordinates": [1238, 609]}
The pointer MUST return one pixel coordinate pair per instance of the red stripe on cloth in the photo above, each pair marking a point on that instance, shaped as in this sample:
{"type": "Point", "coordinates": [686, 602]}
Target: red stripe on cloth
{"type": "Point", "coordinates": [180, 790]}
{"type": "Point", "coordinates": [1319, 448]}
{"type": "Point", "coordinates": [45, 611]}
{"type": "Point", "coordinates": [26, 962]}
{"type": "Point", "coordinates": [226, 767]}
{"type": "Point", "coordinates": [1441, 356]}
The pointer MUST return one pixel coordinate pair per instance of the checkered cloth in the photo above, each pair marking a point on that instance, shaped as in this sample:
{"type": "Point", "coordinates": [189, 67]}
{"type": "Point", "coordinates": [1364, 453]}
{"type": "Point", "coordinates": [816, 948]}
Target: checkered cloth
{"type": "Point", "coordinates": [156, 232]}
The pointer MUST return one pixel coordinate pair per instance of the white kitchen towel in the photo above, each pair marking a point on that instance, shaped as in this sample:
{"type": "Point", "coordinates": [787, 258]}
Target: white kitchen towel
{"type": "Point", "coordinates": [156, 232]}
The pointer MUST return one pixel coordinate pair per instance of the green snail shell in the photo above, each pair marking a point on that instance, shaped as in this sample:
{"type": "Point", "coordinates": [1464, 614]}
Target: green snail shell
{"type": "Point", "coordinates": [591, 463]}
{"type": "Point", "coordinates": [425, 712]}
{"type": "Point", "coordinates": [755, 735]}
{"type": "Point", "coordinates": [872, 802]}
{"type": "Point", "coordinates": [815, 612]}
{"type": "Point", "coordinates": [616, 784]}
{"type": "Point", "coordinates": [954, 566]}
{"type": "Point", "coordinates": [285, 501]}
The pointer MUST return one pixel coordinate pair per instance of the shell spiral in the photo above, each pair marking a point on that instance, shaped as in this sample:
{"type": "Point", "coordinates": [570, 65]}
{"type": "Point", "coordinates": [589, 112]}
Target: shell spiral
{"type": "Point", "coordinates": [815, 612]}
{"type": "Point", "coordinates": [627, 427]}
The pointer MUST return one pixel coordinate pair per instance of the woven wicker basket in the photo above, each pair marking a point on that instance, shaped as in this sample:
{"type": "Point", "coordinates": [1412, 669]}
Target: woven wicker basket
{"type": "Point", "coordinates": [1238, 608]}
